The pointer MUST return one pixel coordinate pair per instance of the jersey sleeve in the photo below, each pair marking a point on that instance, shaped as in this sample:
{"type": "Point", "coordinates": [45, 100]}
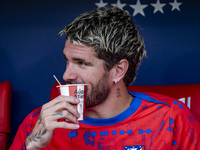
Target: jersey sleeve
{"type": "Point", "coordinates": [184, 127]}
{"type": "Point", "coordinates": [24, 130]}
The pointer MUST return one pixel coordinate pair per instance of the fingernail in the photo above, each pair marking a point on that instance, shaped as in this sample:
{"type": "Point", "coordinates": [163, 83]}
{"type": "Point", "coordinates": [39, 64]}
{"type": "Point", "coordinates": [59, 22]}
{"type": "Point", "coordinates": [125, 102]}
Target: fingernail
{"type": "Point", "coordinates": [77, 100]}
{"type": "Point", "coordinates": [77, 126]}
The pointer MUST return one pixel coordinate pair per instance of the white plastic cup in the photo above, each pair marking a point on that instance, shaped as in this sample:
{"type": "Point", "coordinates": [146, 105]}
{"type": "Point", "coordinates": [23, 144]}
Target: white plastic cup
{"type": "Point", "coordinates": [76, 90]}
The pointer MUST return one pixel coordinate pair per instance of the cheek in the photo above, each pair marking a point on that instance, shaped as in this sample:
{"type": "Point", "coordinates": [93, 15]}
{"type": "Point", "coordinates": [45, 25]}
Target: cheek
{"type": "Point", "coordinates": [92, 79]}
{"type": "Point", "coordinates": [91, 85]}
{"type": "Point", "coordinates": [89, 88]}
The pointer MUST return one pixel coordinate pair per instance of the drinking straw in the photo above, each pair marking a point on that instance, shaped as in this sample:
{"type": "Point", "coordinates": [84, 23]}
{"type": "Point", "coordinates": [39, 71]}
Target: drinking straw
{"type": "Point", "coordinates": [56, 79]}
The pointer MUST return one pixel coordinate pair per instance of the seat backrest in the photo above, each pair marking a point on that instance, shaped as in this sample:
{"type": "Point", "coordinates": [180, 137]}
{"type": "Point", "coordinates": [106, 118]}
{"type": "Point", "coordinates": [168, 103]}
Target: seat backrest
{"type": "Point", "coordinates": [5, 109]}
{"type": "Point", "coordinates": [187, 93]}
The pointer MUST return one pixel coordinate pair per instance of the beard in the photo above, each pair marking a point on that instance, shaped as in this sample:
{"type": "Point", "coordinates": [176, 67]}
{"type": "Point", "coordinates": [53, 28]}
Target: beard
{"type": "Point", "coordinates": [99, 92]}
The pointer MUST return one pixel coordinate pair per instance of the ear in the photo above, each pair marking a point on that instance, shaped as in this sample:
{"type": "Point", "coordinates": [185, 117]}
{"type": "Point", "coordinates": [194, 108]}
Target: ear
{"type": "Point", "coordinates": [119, 70]}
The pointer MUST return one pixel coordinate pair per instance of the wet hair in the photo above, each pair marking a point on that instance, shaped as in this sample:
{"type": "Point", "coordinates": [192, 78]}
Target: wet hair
{"type": "Point", "coordinates": [112, 34]}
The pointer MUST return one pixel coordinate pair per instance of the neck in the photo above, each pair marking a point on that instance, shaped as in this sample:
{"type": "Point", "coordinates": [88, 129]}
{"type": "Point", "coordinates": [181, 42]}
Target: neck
{"type": "Point", "coordinates": [118, 101]}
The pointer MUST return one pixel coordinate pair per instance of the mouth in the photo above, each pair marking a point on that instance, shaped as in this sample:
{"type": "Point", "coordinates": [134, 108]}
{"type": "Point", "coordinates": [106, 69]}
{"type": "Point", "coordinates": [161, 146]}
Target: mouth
{"type": "Point", "coordinates": [74, 82]}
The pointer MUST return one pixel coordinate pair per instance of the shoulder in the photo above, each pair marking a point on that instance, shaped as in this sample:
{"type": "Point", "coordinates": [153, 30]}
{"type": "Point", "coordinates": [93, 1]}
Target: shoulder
{"type": "Point", "coordinates": [176, 109]}
{"type": "Point", "coordinates": [25, 129]}
{"type": "Point", "coordinates": [32, 117]}
{"type": "Point", "coordinates": [29, 122]}
{"type": "Point", "coordinates": [155, 98]}
{"type": "Point", "coordinates": [35, 113]}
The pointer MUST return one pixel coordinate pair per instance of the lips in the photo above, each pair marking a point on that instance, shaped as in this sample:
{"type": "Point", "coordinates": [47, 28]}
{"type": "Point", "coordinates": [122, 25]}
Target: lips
{"type": "Point", "coordinates": [74, 82]}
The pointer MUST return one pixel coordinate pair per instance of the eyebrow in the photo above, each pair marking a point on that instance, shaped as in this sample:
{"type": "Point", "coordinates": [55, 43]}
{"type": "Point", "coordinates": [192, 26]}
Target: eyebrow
{"type": "Point", "coordinates": [82, 60]}
{"type": "Point", "coordinates": [78, 60]}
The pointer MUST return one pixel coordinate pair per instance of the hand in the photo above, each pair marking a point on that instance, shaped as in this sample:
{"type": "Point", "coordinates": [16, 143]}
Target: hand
{"type": "Point", "coordinates": [58, 108]}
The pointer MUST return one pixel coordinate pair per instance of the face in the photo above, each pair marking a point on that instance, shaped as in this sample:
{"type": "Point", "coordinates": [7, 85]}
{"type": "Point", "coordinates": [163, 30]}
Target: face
{"type": "Point", "coordinates": [84, 67]}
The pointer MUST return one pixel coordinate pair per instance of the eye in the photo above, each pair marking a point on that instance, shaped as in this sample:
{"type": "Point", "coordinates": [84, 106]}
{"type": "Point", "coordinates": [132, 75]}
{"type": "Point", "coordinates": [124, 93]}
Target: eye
{"type": "Point", "coordinates": [82, 64]}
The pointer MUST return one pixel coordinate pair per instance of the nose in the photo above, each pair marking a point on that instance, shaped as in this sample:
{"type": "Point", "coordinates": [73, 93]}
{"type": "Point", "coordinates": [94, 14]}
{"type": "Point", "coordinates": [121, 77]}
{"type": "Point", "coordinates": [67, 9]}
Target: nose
{"type": "Point", "coordinates": [69, 74]}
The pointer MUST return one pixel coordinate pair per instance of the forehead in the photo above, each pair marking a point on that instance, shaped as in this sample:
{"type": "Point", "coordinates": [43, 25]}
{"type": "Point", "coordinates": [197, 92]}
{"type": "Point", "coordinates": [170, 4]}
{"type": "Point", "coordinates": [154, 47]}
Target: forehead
{"type": "Point", "coordinates": [71, 49]}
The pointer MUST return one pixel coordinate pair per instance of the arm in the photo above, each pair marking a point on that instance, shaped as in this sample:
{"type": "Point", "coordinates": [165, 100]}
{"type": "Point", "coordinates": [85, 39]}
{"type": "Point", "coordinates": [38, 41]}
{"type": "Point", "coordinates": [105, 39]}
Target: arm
{"type": "Point", "coordinates": [48, 120]}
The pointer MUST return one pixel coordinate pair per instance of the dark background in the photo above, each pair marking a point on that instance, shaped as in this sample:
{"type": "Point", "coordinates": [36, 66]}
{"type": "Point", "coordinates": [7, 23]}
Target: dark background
{"type": "Point", "coordinates": [31, 49]}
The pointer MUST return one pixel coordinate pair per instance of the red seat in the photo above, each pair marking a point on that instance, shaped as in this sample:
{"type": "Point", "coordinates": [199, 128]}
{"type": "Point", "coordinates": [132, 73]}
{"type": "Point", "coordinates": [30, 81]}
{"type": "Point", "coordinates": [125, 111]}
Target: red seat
{"type": "Point", "coordinates": [5, 109]}
{"type": "Point", "coordinates": [187, 93]}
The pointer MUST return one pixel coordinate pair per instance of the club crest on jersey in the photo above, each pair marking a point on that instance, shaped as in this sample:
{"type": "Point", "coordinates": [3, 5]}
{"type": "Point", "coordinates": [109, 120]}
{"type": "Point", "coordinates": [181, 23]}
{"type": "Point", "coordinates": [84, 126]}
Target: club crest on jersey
{"type": "Point", "coordinates": [135, 147]}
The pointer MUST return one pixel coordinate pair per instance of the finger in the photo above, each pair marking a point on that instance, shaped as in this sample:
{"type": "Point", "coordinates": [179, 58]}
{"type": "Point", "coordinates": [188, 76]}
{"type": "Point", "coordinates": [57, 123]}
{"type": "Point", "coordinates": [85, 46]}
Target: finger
{"type": "Point", "coordinates": [61, 106]}
{"type": "Point", "coordinates": [62, 124]}
{"type": "Point", "coordinates": [65, 115]}
{"type": "Point", "coordinates": [61, 103]}
{"type": "Point", "coordinates": [69, 99]}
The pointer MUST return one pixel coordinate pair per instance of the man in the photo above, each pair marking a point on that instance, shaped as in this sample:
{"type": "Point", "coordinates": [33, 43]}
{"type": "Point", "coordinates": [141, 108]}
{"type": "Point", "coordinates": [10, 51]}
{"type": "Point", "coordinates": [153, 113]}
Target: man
{"type": "Point", "coordinates": [103, 49]}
